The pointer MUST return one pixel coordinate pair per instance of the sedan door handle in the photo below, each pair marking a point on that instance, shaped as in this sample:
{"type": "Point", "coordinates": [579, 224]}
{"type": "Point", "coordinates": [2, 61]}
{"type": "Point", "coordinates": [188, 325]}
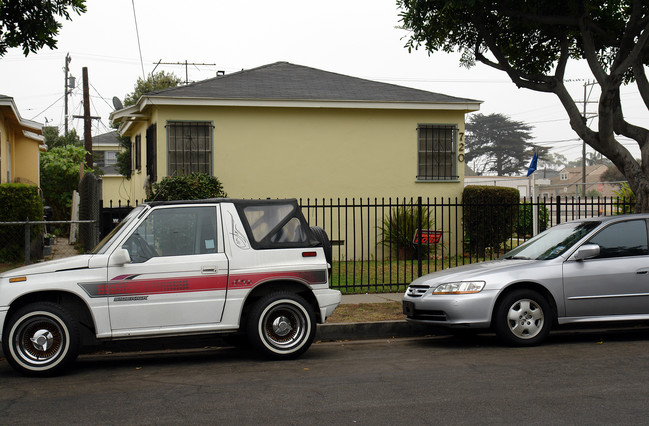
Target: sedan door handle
{"type": "Point", "coordinates": [642, 271]}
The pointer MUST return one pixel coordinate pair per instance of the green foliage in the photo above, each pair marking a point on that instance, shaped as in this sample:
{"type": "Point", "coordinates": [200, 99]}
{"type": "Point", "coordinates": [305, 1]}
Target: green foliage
{"type": "Point", "coordinates": [399, 228]}
{"type": "Point", "coordinates": [496, 143]}
{"type": "Point", "coordinates": [60, 171]}
{"type": "Point", "coordinates": [525, 222]}
{"type": "Point", "coordinates": [195, 186]}
{"type": "Point", "coordinates": [490, 216]}
{"type": "Point", "coordinates": [18, 202]}
{"type": "Point", "coordinates": [53, 139]}
{"type": "Point", "coordinates": [625, 202]}
{"type": "Point", "coordinates": [153, 83]}
{"type": "Point", "coordinates": [123, 164]}
{"type": "Point", "coordinates": [33, 25]}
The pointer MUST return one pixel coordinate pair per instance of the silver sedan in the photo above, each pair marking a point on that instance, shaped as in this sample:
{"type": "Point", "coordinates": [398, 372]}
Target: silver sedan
{"type": "Point", "coordinates": [591, 270]}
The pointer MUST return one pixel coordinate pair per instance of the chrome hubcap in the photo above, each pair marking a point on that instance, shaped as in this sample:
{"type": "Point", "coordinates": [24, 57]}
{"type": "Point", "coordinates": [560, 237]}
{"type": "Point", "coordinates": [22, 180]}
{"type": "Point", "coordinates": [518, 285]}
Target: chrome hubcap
{"type": "Point", "coordinates": [42, 340]}
{"type": "Point", "coordinates": [282, 326]}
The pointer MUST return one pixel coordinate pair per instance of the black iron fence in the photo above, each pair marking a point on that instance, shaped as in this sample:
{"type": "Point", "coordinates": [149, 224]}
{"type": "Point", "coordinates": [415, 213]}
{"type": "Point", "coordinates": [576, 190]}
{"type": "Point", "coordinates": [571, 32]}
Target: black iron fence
{"type": "Point", "coordinates": [381, 245]}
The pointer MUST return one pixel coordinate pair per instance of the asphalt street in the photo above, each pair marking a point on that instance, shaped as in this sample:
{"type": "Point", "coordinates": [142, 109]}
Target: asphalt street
{"type": "Point", "coordinates": [593, 377]}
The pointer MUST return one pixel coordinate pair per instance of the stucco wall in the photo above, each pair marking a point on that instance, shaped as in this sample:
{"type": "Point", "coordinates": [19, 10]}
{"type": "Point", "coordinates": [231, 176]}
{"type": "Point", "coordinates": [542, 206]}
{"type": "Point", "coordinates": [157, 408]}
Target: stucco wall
{"type": "Point", "coordinates": [308, 152]}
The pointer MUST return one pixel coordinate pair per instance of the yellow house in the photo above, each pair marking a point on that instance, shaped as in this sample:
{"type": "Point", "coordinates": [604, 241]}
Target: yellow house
{"type": "Point", "coordinates": [285, 130]}
{"type": "Point", "coordinates": [21, 142]}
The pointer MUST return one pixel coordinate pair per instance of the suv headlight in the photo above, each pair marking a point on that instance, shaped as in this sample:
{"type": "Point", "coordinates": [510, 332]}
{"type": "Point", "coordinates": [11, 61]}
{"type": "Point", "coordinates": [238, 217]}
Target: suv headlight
{"type": "Point", "coordinates": [463, 287]}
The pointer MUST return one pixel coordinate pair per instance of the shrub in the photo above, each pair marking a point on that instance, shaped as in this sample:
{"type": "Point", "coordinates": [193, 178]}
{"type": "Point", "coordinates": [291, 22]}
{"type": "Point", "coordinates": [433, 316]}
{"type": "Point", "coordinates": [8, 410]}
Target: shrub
{"type": "Point", "coordinates": [399, 229]}
{"type": "Point", "coordinates": [490, 215]}
{"type": "Point", "coordinates": [524, 222]}
{"type": "Point", "coordinates": [195, 186]}
{"type": "Point", "coordinates": [19, 202]}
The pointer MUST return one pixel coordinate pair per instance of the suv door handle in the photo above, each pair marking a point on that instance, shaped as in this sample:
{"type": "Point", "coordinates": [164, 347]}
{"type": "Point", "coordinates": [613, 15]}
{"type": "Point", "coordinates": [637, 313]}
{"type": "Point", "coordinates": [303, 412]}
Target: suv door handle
{"type": "Point", "coordinates": [209, 269]}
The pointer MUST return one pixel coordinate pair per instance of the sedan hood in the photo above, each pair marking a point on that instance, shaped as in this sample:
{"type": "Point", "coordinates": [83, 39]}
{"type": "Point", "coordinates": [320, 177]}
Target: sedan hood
{"type": "Point", "coordinates": [478, 271]}
{"type": "Point", "coordinates": [74, 262]}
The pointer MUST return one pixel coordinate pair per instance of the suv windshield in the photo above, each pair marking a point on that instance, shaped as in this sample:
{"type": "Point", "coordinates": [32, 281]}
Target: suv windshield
{"type": "Point", "coordinates": [108, 239]}
{"type": "Point", "coordinates": [553, 242]}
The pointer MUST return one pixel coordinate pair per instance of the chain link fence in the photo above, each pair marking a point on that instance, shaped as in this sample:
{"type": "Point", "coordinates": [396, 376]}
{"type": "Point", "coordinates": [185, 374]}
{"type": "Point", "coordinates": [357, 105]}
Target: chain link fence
{"type": "Point", "coordinates": [22, 243]}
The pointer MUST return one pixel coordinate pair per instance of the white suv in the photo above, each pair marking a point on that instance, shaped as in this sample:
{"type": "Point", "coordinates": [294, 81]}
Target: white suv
{"type": "Point", "coordinates": [171, 269]}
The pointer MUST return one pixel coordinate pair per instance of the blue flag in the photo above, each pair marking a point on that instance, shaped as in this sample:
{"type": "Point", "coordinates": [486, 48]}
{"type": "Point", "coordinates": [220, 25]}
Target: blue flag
{"type": "Point", "coordinates": [532, 167]}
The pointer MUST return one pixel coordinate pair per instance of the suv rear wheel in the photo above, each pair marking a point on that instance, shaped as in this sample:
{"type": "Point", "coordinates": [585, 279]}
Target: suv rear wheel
{"type": "Point", "coordinates": [281, 325]}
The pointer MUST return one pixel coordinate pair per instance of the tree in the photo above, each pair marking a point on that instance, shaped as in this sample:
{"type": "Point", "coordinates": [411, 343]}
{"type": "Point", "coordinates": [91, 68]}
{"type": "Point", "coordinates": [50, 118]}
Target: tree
{"type": "Point", "coordinates": [60, 172]}
{"type": "Point", "coordinates": [32, 24]}
{"type": "Point", "coordinates": [497, 144]}
{"type": "Point", "coordinates": [533, 42]}
{"type": "Point", "coordinates": [158, 81]}
{"type": "Point", "coordinates": [53, 139]}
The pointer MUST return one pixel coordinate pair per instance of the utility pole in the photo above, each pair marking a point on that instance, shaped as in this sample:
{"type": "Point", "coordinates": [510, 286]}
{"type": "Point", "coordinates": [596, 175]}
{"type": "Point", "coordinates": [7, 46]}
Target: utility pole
{"type": "Point", "coordinates": [67, 70]}
{"type": "Point", "coordinates": [583, 148]}
{"type": "Point", "coordinates": [87, 123]}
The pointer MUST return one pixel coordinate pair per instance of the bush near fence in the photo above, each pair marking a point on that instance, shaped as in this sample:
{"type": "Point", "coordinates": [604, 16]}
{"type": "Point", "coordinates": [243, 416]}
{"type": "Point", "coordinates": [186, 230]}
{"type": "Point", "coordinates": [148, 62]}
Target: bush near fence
{"type": "Point", "coordinates": [490, 216]}
{"type": "Point", "coordinates": [19, 202]}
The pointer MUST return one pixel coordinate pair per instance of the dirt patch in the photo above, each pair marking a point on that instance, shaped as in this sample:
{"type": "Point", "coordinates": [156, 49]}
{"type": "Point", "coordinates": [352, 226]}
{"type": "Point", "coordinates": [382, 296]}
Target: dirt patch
{"type": "Point", "coordinates": [366, 312]}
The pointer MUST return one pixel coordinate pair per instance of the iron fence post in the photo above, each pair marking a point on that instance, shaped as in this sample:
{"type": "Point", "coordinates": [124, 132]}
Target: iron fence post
{"type": "Point", "coordinates": [419, 226]}
{"type": "Point", "coordinates": [558, 209]}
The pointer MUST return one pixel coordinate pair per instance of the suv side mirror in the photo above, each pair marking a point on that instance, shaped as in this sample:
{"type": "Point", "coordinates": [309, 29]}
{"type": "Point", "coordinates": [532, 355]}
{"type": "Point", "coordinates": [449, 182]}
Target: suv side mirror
{"type": "Point", "coordinates": [119, 257]}
{"type": "Point", "coordinates": [587, 251]}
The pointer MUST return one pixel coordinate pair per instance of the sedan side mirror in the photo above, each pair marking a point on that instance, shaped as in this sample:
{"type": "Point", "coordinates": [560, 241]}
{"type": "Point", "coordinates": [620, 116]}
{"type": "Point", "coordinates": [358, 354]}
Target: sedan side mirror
{"type": "Point", "coordinates": [119, 257]}
{"type": "Point", "coordinates": [587, 251]}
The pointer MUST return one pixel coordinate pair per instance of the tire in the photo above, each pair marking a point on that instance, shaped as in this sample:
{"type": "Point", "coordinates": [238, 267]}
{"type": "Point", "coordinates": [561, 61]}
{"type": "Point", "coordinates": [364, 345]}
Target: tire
{"type": "Point", "coordinates": [281, 326]}
{"type": "Point", "coordinates": [523, 318]}
{"type": "Point", "coordinates": [41, 339]}
{"type": "Point", "coordinates": [321, 235]}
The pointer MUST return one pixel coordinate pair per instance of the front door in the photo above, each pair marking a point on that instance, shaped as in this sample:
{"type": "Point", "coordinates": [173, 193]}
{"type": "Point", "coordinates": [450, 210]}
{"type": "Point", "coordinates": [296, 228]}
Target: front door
{"type": "Point", "coordinates": [177, 278]}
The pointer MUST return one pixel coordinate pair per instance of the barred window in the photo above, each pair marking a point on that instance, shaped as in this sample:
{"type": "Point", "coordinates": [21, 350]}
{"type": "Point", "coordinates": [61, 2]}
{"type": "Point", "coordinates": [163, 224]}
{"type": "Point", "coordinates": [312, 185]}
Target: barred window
{"type": "Point", "coordinates": [437, 152]}
{"type": "Point", "coordinates": [190, 147]}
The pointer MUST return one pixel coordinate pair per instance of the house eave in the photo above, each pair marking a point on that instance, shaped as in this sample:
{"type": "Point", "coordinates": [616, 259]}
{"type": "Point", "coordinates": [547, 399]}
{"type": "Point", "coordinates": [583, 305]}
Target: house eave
{"type": "Point", "coordinates": [298, 103]}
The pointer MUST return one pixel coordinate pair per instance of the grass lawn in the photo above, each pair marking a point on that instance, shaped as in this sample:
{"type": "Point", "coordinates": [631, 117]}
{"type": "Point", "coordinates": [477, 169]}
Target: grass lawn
{"type": "Point", "coordinates": [351, 277]}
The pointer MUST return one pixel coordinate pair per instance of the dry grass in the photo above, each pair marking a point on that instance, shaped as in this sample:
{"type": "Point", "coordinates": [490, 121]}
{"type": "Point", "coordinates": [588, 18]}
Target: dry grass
{"type": "Point", "coordinates": [367, 312]}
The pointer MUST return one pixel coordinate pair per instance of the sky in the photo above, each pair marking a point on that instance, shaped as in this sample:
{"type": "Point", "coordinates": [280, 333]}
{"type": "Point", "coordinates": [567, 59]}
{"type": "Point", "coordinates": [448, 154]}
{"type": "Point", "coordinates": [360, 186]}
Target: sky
{"type": "Point", "coordinates": [360, 38]}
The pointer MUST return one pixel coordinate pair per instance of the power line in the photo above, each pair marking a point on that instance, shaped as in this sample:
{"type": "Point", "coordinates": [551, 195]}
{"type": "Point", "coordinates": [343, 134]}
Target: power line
{"type": "Point", "coordinates": [137, 32]}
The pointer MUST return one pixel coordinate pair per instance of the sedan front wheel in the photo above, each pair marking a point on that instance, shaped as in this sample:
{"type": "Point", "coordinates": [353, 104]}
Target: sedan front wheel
{"type": "Point", "coordinates": [523, 318]}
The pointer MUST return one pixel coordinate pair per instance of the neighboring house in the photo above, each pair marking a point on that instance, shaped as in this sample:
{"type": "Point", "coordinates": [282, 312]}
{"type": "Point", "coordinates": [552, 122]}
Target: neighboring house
{"type": "Point", "coordinates": [21, 142]}
{"type": "Point", "coordinates": [570, 179]}
{"type": "Point", "coordinates": [285, 130]}
{"type": "Point", "coordinates": [115, 187]}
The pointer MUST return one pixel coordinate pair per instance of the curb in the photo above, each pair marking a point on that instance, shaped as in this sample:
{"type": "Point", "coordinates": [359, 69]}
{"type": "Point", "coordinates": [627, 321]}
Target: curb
{"type": "Point", "coordinates": [371, 330]}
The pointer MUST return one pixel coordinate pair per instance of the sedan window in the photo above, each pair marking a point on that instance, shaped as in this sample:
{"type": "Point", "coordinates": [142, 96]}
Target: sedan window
{"type": "Point", "coordinates": [622, 239]}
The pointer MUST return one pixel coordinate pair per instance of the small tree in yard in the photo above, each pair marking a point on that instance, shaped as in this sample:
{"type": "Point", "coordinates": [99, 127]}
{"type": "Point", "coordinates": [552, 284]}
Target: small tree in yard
{"type": "Point", "coordinates": [60, 173]}
{"type": "Point", "coordinates": [195, 186]}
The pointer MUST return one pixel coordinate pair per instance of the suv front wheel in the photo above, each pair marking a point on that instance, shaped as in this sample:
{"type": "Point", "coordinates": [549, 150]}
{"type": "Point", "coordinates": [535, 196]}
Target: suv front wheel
{"type": "Point", "coordinates": [281, 325]}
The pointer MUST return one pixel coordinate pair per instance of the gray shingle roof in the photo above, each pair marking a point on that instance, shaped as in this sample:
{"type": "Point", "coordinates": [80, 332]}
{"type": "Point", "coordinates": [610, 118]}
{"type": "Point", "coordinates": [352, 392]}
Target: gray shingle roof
{"type": "Point", "coordinates": [286, 81]}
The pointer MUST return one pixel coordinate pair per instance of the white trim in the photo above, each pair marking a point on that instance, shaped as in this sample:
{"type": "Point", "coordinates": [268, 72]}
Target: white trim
{"type": "Point", "coordinates": [135, 112]}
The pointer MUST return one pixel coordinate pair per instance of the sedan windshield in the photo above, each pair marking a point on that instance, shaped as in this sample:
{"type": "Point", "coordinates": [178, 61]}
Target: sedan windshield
{"type": "Point", "coordinates": [553, 242]}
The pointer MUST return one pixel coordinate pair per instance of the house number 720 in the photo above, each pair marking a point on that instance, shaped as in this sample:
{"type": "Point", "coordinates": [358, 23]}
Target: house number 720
{"type": "Point", "coordinates": [460, 156]}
